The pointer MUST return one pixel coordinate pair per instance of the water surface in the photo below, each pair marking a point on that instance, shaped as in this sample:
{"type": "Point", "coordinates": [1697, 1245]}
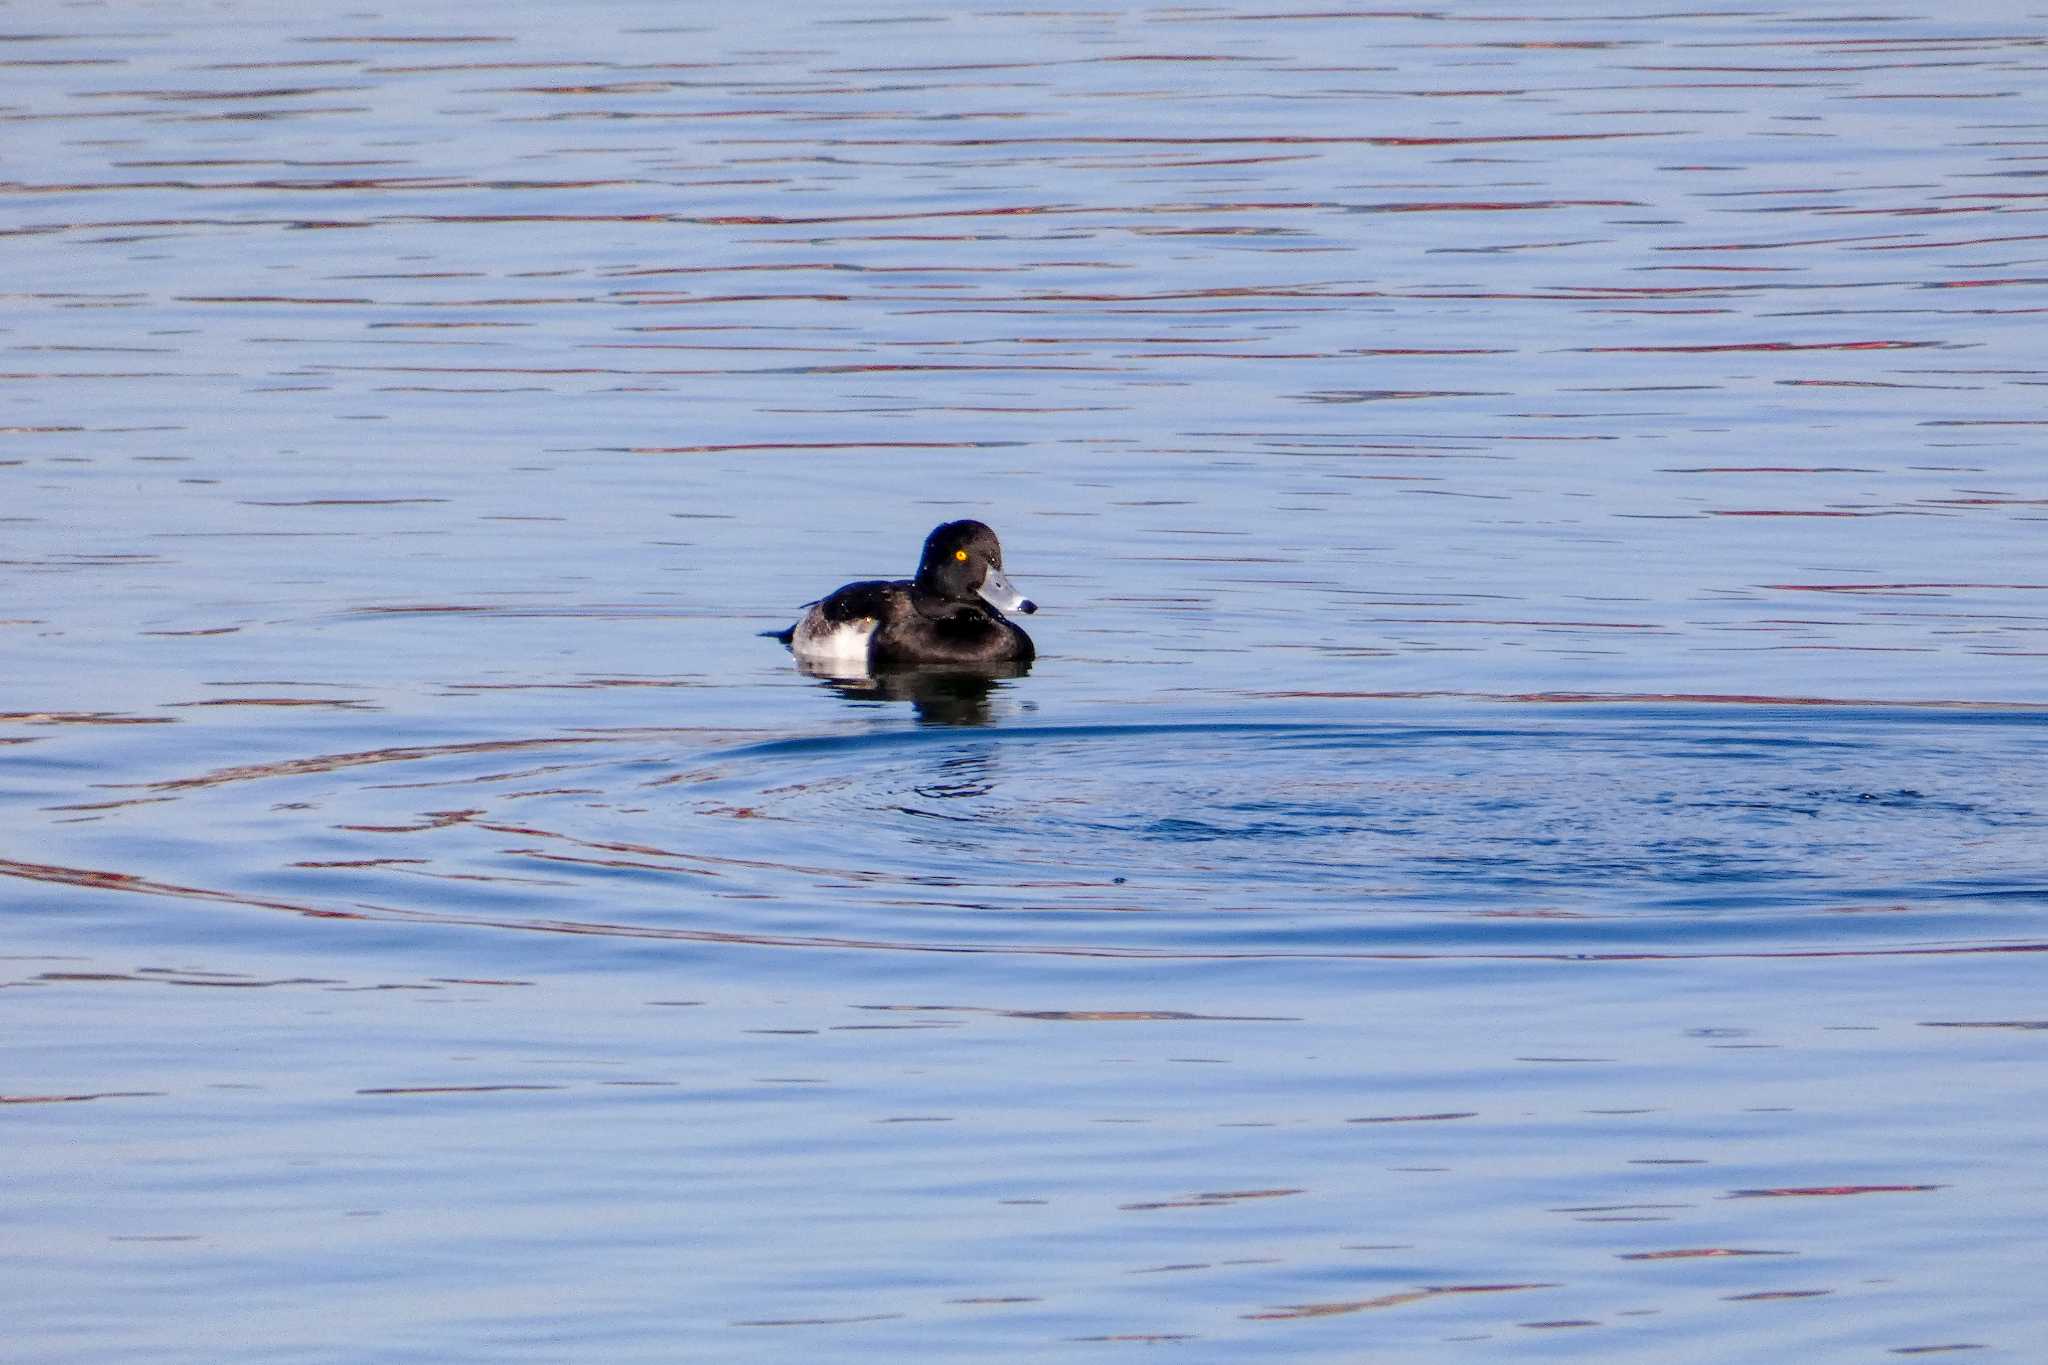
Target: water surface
{"type": "Point", "coordinates": [1525, 838]}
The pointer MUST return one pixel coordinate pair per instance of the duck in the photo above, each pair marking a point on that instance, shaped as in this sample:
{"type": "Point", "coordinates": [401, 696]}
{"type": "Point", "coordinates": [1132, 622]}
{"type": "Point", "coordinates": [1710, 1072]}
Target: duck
{"type": "Point", "coordinates": [950, 615]}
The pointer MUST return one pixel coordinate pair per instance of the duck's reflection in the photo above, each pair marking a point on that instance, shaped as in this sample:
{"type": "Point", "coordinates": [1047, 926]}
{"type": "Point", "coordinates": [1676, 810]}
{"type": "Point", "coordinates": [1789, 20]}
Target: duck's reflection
{"type": "Point", "coordinates": [948, 694]}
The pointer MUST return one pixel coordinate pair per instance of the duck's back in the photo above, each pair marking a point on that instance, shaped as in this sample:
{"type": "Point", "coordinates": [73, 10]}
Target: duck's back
{"type": "Point", "coordinates": [840, 628]}
{"type": "Point", "coordinates": [888, 623]}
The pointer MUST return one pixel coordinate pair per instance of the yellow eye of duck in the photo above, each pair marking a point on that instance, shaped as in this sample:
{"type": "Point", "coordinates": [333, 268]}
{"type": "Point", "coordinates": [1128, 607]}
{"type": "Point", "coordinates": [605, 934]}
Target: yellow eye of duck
{"type": "Point", "coordinates": [960, 555]}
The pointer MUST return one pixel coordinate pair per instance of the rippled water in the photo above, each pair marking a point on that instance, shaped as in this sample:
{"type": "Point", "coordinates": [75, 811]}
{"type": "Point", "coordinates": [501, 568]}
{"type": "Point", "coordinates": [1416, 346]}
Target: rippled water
{"type": "Point", "coordinates": [1526, 836]}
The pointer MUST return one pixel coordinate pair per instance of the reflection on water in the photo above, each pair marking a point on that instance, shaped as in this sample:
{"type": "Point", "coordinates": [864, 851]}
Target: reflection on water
{"type": "Point", "coordinates": [1527, 828]}
{"type": "Point", "coordinates": [949, 695]}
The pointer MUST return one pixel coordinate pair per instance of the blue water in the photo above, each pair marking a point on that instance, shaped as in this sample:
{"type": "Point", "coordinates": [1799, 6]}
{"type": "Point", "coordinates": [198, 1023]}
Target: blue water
{"type": "Point", "coordinates": [1526, 837]}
